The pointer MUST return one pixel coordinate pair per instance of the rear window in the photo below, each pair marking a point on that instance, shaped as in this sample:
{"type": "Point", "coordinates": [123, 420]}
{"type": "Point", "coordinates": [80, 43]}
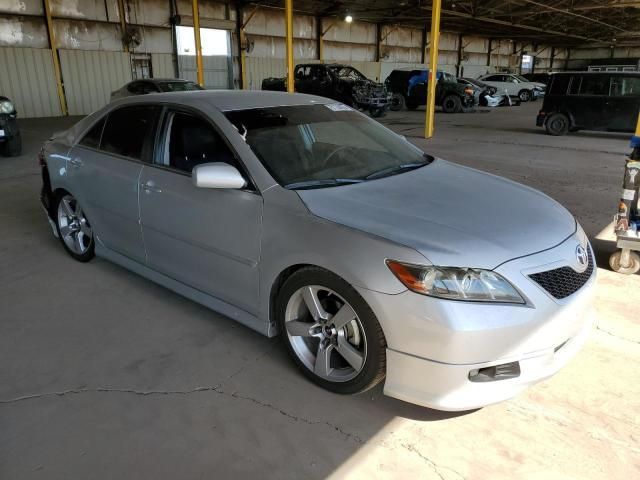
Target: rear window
{"type": "Point", "coordinates": [559, 85]}
{"type": "Point", "coordinates": [127, 129]}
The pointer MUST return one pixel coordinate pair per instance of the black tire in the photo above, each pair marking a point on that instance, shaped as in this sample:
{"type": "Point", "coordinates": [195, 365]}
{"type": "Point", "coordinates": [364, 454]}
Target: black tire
{"type": "Point", "coordinates": [557, 124]}
{"type": "Point", "coordinates": [411, 104]}
{"type": "Point", "coordinates": [525, 95]}
{"type": "Point", "coordinates": [90, 252]}
{"type": "Point", "coordinates": [374, 367]}
{"type": "Point", "coordinates": [397, 102]}
{"type": "Point", "coordinates": [451, 104]}
{"type": "Point", "coordinates": [13, 146]}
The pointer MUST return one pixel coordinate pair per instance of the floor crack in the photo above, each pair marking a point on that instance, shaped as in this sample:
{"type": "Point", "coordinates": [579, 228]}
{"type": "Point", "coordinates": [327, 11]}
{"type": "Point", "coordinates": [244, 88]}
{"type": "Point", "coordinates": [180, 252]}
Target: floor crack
{"type": "Point", "coordinates": [617, 336]}
{"type": "Point", "coordinates": [434, 466]}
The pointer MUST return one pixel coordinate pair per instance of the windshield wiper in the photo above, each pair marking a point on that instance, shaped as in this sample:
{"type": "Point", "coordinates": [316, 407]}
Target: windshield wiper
{"type": "Point", "coordinates": [327, 182]}
{"type": "Point", "coordinates": [395, 169]}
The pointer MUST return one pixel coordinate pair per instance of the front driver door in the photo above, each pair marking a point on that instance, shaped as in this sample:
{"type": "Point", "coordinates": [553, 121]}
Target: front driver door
{"type": "Point", "coordinates": [208, 239]}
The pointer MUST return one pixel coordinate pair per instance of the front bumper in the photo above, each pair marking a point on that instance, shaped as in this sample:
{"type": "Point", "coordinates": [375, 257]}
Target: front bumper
{"type": "Point", "coordinates": [434, 344]}
{"type": "Point", "coordinates": [8, 127]}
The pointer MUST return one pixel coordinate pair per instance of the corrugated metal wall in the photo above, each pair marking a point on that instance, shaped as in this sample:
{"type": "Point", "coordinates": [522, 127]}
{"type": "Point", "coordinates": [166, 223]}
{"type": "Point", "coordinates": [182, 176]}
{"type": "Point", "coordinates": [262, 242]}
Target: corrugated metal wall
{"type": "Point", "coordinates": [162, 65]}
{"type": "Point", "coordinates": [90, 77]}
{"type": "Point", "coordinates": [216, 70]}
{"type": "Point", "coordinates": [27, 78]}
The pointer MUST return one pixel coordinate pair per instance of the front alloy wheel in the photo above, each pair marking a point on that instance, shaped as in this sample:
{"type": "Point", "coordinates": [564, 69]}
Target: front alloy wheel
{"type": "Point", "coordinates": [330, 332]}
{"type": "Point", "coordinates": [74, 229]}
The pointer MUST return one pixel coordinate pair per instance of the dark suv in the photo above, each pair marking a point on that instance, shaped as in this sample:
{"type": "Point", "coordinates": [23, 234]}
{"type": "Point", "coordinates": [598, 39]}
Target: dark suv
{"type": "Point", "coordinates": [591, 101]}
{"type": "Point", "coordinates": [409, 88]}
{"type": "Point", "coordinates": [10, 140]}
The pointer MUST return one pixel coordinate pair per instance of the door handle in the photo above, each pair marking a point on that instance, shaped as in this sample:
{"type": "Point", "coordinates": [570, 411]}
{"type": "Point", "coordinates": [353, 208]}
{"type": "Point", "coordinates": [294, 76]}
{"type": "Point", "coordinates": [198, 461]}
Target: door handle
{"type": "Point", "coordinates": [76, 162]}
{"type": "Point", "coordinates": [150, 186]}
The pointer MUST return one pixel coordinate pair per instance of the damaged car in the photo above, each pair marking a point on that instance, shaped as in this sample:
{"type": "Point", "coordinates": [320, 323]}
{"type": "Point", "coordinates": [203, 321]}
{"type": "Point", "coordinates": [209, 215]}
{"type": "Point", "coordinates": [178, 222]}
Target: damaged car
{"type": "Point", "coordinates": [338, 82]}
{"type": "Point", "coordinates": [409, 89]}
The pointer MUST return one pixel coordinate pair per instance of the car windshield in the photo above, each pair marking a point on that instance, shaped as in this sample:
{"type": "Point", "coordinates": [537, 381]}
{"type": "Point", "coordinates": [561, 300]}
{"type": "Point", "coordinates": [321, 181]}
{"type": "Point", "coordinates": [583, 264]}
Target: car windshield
{"type": "Point", "coordinates": [316, 146]}
{"type": "Point", "coordinates": [179, 86]}
{"type": "Point", "coordinates": [521, 78]}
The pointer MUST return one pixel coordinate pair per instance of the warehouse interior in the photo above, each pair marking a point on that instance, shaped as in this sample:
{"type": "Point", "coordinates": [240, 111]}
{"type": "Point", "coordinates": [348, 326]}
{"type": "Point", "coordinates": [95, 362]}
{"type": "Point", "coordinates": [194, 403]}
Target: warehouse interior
{"type": "Point", "coordinates": [106, 374]}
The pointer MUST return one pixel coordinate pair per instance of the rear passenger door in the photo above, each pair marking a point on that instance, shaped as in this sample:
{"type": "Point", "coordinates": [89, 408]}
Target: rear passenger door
{"type": "Point", "coordinates": [208, 239]}
{"type": "Point", "coordinates": [589, 101]}
{"type": "Point", "coordinates": [104, 169]}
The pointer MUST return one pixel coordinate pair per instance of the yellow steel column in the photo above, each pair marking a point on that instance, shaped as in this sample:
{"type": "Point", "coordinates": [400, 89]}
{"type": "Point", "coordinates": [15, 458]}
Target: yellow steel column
{"type": "Point", "coordinates": [123, 22]}
{"type": "Point", "coordinates": [56, 60]}
{"type": "Point", "coordinates": [433, 68]}
{"type": "Point", "coordinates": [638, 126]}
{"type": "Point", "coordinates": [196, 30]}
{"type": "Point", "coordinates": [289, 18]}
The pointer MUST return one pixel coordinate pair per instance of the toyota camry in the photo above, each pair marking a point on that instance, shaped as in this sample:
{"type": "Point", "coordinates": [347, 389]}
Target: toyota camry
{"type": "Point", "coordinates": [296, 215]}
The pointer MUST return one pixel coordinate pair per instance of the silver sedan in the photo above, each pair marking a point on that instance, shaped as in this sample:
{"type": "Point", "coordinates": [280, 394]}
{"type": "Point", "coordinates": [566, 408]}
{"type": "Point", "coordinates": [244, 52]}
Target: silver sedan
{"type": "Point", "coordinates": [297, 215]}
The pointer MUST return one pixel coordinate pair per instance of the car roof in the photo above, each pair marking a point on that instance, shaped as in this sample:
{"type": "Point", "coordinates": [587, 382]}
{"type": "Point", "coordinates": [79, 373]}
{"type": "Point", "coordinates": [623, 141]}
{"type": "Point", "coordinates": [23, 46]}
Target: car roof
{"type": "Point", "coordinates": [228, 100]}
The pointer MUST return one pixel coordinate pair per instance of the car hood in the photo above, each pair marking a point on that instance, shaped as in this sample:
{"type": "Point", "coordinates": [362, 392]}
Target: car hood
{"type": "Point", "coordinates": [453, 215]}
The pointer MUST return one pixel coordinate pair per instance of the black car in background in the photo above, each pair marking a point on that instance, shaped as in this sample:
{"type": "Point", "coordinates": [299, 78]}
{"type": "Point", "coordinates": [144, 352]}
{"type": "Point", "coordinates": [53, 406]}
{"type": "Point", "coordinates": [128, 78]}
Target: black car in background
{"type": "Point", "coordinates": [409, 88]}
{"type": "Point", "coordinates": [591, 101]}
{"type": "Point", "coordinates": [10, 139]}
{"type": "Point", "coordinates": [339, 82]}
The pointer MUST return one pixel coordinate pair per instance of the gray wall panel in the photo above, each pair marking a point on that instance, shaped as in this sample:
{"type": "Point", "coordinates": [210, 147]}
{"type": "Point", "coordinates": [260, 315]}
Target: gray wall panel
{"type": "Point", "coordinates": [29, 81]}
{"type": "Point", "coordinates": [90, 77]}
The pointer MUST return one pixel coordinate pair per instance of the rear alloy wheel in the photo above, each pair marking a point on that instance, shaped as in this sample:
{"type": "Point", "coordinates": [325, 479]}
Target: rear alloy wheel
{"type": "Point", "coordinates": [452, 104]}
{"type": "Point", "coordinates": [557, 124]}
{"type": "Point", "coordinates": [74, 229]}
{"type": "Point", "coordinates": [397, 102]}
{"type": "Point", "coordinates": [330, 332]}
{"type": "Point", "coordinates": [525, 95]}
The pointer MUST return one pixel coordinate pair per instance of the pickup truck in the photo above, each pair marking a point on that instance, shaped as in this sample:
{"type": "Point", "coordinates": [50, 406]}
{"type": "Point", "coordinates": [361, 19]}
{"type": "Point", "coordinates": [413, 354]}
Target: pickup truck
{"type": "Point", "coordinates": [339, 82]}
{"type": "Point", "coordinates": [409, 88]}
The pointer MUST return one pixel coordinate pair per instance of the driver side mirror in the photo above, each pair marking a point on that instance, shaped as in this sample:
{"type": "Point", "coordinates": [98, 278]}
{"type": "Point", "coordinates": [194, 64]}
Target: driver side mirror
{"type": "Point", "coordinates": [217, 175]}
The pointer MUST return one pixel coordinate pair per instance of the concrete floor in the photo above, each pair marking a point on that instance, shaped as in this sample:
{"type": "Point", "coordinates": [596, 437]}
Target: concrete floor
{"type": "Point", "coordinates": [106, 375]}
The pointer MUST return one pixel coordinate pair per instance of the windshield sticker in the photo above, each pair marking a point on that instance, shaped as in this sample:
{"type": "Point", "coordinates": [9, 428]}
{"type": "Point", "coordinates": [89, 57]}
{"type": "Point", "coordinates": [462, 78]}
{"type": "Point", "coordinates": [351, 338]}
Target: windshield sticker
{"type": "Point", "coordinates": [339, 107]}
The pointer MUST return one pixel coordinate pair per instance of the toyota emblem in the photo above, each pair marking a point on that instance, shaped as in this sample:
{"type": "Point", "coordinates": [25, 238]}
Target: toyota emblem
{"type": "Point", "coordinates": [581, 255]}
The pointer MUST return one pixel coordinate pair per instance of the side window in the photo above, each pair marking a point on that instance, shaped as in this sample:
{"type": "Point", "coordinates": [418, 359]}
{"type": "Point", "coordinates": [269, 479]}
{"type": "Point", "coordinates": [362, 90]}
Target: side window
{"type": "Point", "coordinates": [93, 136]}
{"type": "Point", "coordinates": [594, 85]}
{"type": "Point", "coordinates": [193, 141]}
{"type": "Point", "coordinates": [495, 78]}
{"type": "Point", "coordinates": [127, 131]}
{"type": "Point", "coordinates": [559, 85]}
{"type": "Point", "coordinates": [574, 88]}
{"type": "Point", "coordinates": [624, 86]}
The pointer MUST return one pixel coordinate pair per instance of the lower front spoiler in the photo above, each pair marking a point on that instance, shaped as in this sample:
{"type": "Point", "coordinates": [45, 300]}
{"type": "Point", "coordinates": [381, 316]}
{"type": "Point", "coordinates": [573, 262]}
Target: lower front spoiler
{"type": "Point", "coordinates": [447, 387]}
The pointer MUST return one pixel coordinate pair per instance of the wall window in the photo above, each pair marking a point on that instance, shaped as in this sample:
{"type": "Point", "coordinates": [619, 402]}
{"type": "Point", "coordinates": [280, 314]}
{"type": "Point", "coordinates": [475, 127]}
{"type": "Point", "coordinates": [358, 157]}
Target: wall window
{"type": "Point", "coordinates": [214, 41]}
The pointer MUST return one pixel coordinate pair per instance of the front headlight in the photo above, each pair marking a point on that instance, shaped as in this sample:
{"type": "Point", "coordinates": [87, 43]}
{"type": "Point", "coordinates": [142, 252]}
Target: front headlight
{"type": "Point", "coordinates": [469, 284]}
{"type": "Point", "coordinates": [6, 106]}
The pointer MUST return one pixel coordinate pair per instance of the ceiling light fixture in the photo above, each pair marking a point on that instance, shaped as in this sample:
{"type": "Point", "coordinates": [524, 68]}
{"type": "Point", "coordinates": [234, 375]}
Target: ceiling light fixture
{"type": "Point", "coordinates": [348, 18]}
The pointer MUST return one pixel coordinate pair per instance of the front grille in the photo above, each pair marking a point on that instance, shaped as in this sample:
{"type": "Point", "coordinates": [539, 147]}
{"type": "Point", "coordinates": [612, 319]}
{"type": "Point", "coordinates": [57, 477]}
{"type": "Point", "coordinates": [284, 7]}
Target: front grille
{"type": "Point", "coordinates": [564, 281]}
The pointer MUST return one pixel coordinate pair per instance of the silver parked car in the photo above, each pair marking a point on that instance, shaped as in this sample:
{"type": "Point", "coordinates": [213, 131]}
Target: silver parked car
{"type": "Point", "coordinates": [298, 215]}
{"type": "Point", "coordinates": [154, 85]}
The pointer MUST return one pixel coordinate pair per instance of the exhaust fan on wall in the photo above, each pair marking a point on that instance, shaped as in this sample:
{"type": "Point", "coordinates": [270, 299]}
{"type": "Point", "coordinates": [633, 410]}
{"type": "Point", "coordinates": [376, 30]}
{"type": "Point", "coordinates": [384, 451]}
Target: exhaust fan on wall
{"type": "Point", "coordinates": [131, 37]}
